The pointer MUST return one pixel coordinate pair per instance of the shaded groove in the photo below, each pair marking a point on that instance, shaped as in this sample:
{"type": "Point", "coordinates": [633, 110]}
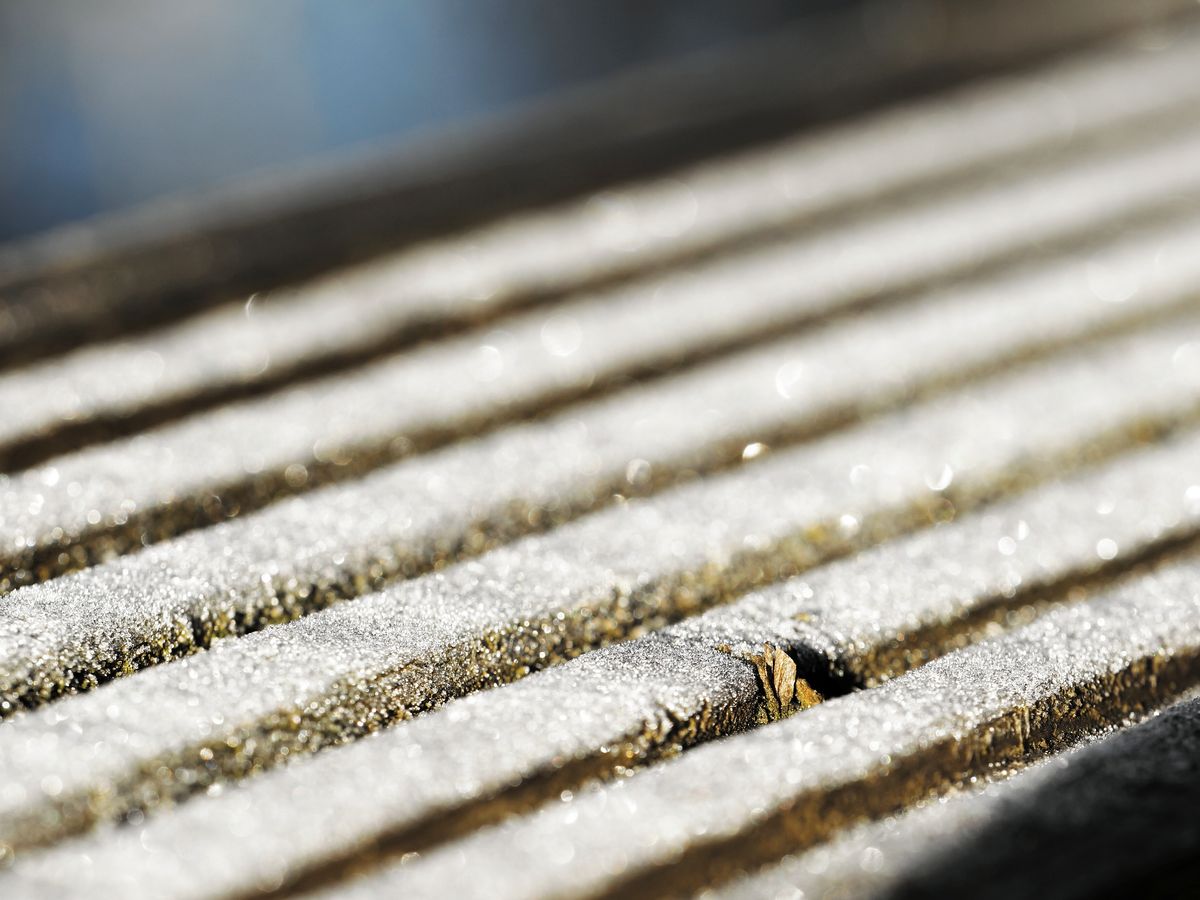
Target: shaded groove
{"type": "Point", "coordinates": [358, 667]}
{"type": "Point", "coordinates": [154, 517]}
{"type": "Point", "coordinates": [1032, 141]}
{"type": "Point", "coordinates": [928, 642]}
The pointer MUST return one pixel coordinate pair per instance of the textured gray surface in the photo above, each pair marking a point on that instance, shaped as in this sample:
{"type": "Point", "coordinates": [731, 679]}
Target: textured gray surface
{"type": "Point", "coordinates": [725, 806]}
{"type": "Point", "coordinates": [342, 541]}
{"type": "Point", "coordinates": [965, 518]}
{"type": "Point", "coordinates": [350, 669]}
{"type": "Point", "coordinates": [114, 497]}
{"type": "Point", "coordinates": [625, 704]}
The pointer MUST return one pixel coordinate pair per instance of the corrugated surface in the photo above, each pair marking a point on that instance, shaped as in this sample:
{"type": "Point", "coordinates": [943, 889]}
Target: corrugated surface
{"type": "Point", "coordinates": [689, 538]}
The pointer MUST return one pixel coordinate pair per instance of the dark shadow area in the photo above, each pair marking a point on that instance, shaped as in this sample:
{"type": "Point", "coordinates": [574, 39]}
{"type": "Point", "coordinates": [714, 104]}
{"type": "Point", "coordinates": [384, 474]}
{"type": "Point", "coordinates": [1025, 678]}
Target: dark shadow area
{"type": "Point", "coordinates": [1122, 819]}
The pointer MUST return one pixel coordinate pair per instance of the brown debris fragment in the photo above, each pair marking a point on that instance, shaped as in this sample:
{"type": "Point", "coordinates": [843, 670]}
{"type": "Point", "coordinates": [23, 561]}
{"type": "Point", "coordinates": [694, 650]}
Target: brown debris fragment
{"type": "Point", "coordinates": [784, 693]}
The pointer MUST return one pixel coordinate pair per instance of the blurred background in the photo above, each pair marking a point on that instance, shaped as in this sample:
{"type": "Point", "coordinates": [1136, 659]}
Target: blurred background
{"type": "Point", "coordinates": [105, 105]}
